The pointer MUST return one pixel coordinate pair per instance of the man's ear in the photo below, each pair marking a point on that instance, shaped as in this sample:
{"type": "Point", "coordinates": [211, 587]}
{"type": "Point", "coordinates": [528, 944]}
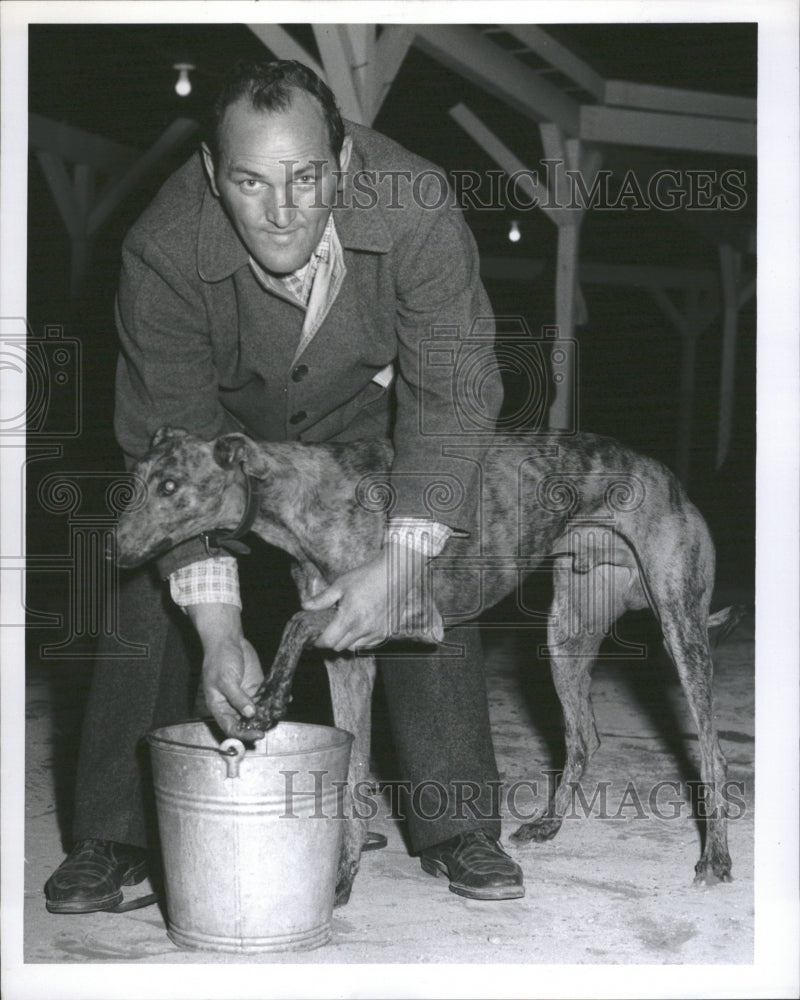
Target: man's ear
{"type": "Point", "coordinates": [208, 163]}
{"type": "Point", "coordinates": [344, 156]}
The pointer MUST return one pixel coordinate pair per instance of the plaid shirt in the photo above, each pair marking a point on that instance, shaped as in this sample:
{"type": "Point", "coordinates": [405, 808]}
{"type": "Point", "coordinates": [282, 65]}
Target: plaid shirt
{"type": "Point", "coordinates": [298, 284]}
{"type": "Point", "coordinates": [216, 580]}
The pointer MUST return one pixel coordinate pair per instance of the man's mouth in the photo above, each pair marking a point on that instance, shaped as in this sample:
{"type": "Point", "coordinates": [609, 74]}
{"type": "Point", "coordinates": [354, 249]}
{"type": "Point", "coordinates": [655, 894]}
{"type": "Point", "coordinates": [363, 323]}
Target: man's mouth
{"type": "Point", "coordinates": [281, 235]}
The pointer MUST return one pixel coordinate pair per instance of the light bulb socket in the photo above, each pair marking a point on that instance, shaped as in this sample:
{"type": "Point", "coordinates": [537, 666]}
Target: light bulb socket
{"type": "Point", "coordinates": [183, 85]}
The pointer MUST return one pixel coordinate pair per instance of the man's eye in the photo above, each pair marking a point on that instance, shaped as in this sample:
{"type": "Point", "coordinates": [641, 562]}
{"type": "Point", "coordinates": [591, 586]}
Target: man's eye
{"type": "Point", "coordinates": [250, 184]}
{"type": "Point", "coordinates": [167, 487]}
{"type": "Point", "coordinates": [308, 178]}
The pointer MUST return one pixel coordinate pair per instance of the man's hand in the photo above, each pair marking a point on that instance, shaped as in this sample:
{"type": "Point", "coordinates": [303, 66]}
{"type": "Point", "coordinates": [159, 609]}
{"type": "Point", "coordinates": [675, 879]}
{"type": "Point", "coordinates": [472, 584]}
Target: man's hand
{"type": "Point", "coordinates": [374, 600]}
{"type": "Point", "coordinates": [231, 671]}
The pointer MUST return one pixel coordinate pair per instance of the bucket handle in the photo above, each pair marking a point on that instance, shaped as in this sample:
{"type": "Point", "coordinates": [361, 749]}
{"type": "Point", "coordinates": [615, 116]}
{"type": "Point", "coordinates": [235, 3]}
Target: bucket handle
{"type": "Point", "coordinates": [233, 751]}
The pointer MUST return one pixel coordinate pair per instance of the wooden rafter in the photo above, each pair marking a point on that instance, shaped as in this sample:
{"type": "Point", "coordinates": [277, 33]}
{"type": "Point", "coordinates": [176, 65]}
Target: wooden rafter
{"type": "Point", "coordinates": [357, 65]}
{"type": "Point", "coordinates": [85, 207]}
{"type": "Point", "coordinates": [629, 127]}
{"type": "Point", "coordinates": [364, 70]}
{"type": "Point", "coordinates": [283, 46]}
{"type": "Point", "coordinates": [599, 273]}
{"type": "Point", "coordinates": [475, 57]}
{"type": "Point", "coordinates": [76, 145]}
{"type": "Point", "coordinates": [535, 39]}
{"type": "Point", "coordinates": [335, 50]}
{"type": "Point", "coordinates": [691, 102]}
{"type": "Point", "coordinates": [526, 179]}
{"type": "Point", "coordinates": [392, 47]}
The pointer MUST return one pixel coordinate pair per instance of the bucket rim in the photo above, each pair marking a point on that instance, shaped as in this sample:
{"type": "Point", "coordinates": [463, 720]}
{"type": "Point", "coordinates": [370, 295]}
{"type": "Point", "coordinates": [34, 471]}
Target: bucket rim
{"type": "Point", "coordinates": [339, 738]}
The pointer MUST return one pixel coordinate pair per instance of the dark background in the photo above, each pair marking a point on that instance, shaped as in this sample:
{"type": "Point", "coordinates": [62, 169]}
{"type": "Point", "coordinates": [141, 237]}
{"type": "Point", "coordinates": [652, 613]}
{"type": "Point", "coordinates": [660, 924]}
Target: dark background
{"type": "Point", "coordinates": [117, 82]}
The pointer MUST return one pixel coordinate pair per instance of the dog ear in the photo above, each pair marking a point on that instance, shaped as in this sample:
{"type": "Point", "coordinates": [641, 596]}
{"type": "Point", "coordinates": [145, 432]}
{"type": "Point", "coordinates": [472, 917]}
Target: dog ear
{"type": "Point", "coordinates": [165, 433]}
{"type": "Point", "coordinates": [230, 450]}
{"type": "Point", "coordinates": [233, 449]}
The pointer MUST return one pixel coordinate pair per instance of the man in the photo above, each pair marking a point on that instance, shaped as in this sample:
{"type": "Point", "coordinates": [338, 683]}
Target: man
{"type": "Point", "coordinates": [258, 292]}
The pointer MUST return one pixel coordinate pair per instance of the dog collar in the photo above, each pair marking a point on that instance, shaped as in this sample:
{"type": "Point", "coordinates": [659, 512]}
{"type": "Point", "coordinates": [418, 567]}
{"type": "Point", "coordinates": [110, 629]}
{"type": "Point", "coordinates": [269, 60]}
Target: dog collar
{"type": "Point", "coordinates": [218, 538]}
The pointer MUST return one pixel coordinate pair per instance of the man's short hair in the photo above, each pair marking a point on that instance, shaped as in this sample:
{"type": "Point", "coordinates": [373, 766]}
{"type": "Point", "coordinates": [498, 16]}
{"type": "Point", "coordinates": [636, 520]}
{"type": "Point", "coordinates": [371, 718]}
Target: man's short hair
{"type": "Point", "coordinates": [269, 84]}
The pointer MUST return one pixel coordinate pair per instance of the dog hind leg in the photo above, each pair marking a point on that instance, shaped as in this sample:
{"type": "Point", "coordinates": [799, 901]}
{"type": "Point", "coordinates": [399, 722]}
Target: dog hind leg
{"type": "Point", "coordinates": [686, 640]}
{"type": "Point", "coordinates": [585, 606]}
{"type": "Point", "coordinates": [679, 560]}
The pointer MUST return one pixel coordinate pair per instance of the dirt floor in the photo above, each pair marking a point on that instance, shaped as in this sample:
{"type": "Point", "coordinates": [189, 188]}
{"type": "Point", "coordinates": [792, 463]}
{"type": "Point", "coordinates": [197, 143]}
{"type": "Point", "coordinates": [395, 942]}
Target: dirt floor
{"type": "Point", "coordinates": [614, 887]}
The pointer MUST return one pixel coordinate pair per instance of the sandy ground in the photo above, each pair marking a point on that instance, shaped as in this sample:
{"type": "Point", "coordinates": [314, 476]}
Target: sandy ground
{"type": "Point", "coordinates": [614, 887]}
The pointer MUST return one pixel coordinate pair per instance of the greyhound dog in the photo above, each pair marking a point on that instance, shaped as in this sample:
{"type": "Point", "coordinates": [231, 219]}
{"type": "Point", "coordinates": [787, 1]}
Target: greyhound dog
{"type": "Point", "coordinates": [618, 528]}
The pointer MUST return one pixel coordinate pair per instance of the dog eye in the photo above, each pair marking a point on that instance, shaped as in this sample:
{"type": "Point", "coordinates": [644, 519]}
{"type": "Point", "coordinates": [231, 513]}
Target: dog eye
{"type": "Point", "coordinates": [167, 487]}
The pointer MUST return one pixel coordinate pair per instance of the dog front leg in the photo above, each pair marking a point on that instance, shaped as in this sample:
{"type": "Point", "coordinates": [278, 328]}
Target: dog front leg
{"type": "Point", "coordinates": [273, 696]}
{"type": "Point", "coordinates": [351, 681]}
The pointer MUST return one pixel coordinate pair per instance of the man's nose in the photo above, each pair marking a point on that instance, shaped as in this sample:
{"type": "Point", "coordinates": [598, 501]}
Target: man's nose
{"type": "Point", "coordinates": [278, 209]}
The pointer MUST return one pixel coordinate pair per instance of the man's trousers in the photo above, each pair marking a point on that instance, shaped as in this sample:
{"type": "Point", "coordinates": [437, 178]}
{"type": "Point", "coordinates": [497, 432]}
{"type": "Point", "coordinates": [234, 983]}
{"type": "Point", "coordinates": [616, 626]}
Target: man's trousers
{"type": "Point", "coordinates": [436, 703]}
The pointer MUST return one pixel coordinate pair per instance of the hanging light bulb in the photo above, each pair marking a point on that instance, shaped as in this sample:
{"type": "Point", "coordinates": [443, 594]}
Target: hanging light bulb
{"type": "Point", "coordinates": [183, 85]}
{"type": "Point", "coordinates": [513, 233]}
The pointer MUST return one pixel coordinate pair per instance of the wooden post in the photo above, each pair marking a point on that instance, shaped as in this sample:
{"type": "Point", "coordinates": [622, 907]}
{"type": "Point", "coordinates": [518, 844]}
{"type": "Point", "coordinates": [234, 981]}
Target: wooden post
{"type": "Point", "coordinates": [731, 268]}
{"type": "Point", "coordinates": [700, 309]}
{"type": "Point", "coordinates": [689, 334]}
{"type": "Point", "coordinates": [570, 307]}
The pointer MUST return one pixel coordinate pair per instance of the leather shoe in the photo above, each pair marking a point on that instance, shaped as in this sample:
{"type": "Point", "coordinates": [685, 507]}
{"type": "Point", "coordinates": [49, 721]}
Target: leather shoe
{"type": "Point", "coordinates": [91, 876]}
{"type": "Point", "coordinates": [476, 865]}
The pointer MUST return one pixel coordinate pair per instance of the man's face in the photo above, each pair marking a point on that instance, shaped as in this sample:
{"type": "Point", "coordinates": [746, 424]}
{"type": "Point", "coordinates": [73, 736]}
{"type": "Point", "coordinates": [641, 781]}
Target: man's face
{"type": "Point", "coordinates": [276, 177]}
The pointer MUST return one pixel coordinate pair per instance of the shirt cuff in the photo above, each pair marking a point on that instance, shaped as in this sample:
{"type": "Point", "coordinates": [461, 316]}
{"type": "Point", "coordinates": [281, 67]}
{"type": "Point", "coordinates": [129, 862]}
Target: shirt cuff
{"type": "Point", "coordinates": [209, 581]}
{"type": "Point", "coordinates": [418, 533]}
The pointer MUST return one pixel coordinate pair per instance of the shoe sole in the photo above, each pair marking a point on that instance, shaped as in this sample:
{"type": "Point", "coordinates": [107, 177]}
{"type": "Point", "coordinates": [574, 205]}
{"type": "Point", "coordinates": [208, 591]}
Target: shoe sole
{"type": "Point", "coordinates": [133, 876]}
{"type": "Point", "coordinates": [437, 868]}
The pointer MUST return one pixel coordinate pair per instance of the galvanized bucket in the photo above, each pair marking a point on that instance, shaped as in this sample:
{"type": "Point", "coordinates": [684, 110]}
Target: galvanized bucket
{"type": "Point", "coordinates": [250, 838]}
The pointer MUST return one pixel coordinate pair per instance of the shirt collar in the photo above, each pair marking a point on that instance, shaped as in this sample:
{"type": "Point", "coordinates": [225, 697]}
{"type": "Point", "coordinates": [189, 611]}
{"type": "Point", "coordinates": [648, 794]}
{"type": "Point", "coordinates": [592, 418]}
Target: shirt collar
{"type": "Point", "coordinates": [298, 283]}
{"type": "Point", "coordinates": [220, 252]}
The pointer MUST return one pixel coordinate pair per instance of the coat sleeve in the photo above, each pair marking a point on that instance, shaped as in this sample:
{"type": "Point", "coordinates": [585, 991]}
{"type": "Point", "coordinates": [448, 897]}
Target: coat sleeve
{"type": "Point", "coordinates": [449, 386]}
{"type": "Point", "coordinates": [165, 371]}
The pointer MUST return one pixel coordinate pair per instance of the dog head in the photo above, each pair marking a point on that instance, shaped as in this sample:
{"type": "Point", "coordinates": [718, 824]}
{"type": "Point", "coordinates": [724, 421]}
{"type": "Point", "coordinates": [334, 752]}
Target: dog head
{"type": "Point", "coordinates": [185, 486]}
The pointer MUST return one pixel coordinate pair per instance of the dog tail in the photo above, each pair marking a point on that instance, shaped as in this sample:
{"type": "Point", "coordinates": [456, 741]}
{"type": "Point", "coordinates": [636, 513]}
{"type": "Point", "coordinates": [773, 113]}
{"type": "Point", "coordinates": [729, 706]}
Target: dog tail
{"type": "Point", "coordinates": [725, 621]}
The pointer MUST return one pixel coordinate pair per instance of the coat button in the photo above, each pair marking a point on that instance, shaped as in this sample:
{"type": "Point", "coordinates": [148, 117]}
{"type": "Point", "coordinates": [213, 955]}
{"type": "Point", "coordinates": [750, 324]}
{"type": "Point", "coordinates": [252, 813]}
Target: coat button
{"type": "Point", "coordinates": [298, 417]}
{"type": "Point", "coordinates": [299, 373]}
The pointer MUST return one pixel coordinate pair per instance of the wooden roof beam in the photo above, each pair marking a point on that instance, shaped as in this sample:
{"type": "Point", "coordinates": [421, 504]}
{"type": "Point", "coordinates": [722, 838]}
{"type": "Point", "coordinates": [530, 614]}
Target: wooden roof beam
{"type": "Point", "coordinates": [364, 68]}
{"type": "Point", "coordinates": [391, 50]}
{"type": "Point", "coordinates": [283, 46]}
{"type": "Point", "coordinates": [653, 129]}
{"type": "Point", "coordinates": [335, 48]}
{"type": "Point", "coordinates": [524, 178]}
{"type": "Point", "coordinates": [597, 273]}
{"type": "Point", "coordinates": [76, 146]}
{"type": "Point", "coordinates": [620, 93]}
{"type": "Point", "coordinates": [559, 57]}
{"type": "Point", "coordinates": [113, 195]}
{"type": "Point", "coordinates": [480, 60]}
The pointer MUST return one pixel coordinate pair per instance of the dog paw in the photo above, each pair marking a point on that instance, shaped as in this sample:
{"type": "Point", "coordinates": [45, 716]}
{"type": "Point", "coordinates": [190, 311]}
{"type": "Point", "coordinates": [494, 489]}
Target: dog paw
{"type": "Point", "coordinates": [343, 889]}
{"type": "Point", "coordinates": [344, 882]}
{"type": "Point", "coordinates": [537, 830]}
{"type": "Point", "coordinates": [707, 873]}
